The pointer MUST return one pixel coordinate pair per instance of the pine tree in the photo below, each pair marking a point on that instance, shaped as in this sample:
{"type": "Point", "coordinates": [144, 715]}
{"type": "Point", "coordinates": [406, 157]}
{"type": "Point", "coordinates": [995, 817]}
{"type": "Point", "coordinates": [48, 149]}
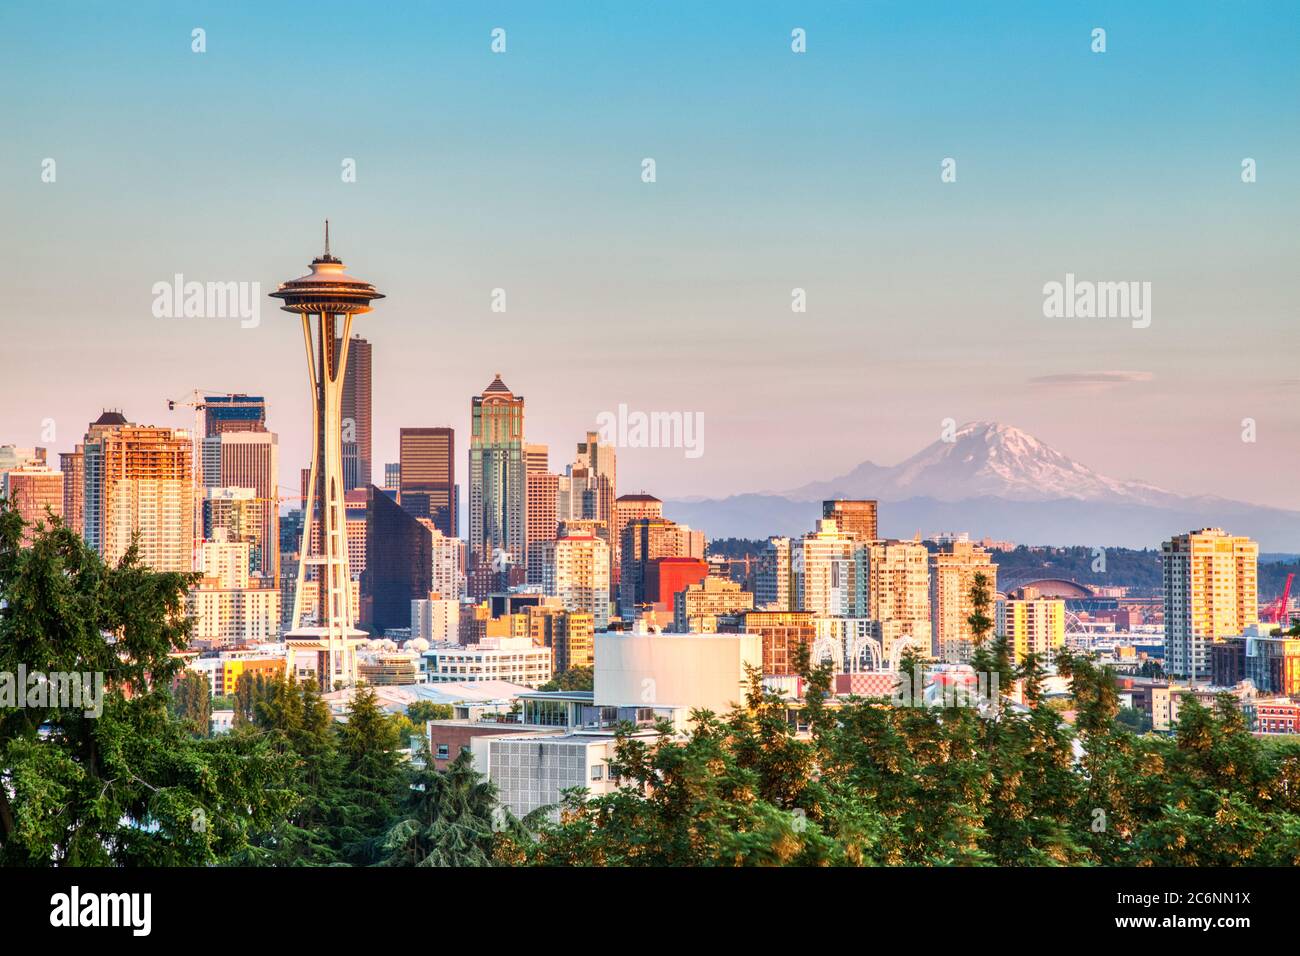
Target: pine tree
{"type": "Point", "coordinates": [125, 783]}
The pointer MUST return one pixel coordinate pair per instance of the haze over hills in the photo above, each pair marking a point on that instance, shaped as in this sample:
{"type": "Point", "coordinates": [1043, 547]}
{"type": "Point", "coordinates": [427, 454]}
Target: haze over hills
{"type": "Point", "coordinates": [997, 481]}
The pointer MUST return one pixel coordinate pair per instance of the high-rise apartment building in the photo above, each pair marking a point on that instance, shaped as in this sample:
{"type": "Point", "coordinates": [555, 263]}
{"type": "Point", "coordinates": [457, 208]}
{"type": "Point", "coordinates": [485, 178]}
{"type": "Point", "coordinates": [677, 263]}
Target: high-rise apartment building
{"type": "Point", "coordinates": [356, 415]}
{"type": "Point", "coordinates": [775, 583]}
{"type": "Point", "coordinates": [448, 569]}
{"type": "Point", "coordinates": [893, 589]}
{"type": "Point", "coordinates": [697, 607]}
{"type": "Point", "coordinates": [856, 518]}
{"type": "Point", "coordinates": [576, 570]}
{"type": "Point", "coordinates": [1211, 592]}
{"type": "Point", "coordinates": [138, 481]}
{"type": "Point", "coordinates": [35, 492]}
{"type": "Point", "coordinates": [73, 466]}
{"type": "Point", "coordinates": [629, 508]}
{"type": "Point", "coordinates": [952, 576]}
{"type": "Point", "coordinates": [239, 515]}
{"type": "Point", "coordinates": [228, 606]}
{"type": "Point", "coordinates": [497, 496]}
{"type": "Point", "coordinates": [1031, 623]}
{"type": "Point", "coordinates": [825, 569]}
{"type": "Point", "coordinates": [427, 476]}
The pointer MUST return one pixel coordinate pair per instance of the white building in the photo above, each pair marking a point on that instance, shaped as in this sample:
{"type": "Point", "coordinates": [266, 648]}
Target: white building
{"type": "Point", "coordinates": [532, 771]}
{"type": "Point", "coordinates": [513, 659]}
{"type": "Point", "coordinates": [448, 575]}
{"type": "Point", "coordinates": [674, 670]}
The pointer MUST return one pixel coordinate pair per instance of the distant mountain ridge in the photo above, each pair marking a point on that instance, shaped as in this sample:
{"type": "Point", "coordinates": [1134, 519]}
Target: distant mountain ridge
{"type": "Point", "coordinates": [997, 481]}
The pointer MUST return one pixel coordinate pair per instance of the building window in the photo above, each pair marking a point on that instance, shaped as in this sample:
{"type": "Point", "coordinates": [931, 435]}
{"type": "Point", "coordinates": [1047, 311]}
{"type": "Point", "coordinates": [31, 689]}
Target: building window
{"type": "Point", "coordinates": [597, 771]}
{"type": "Point", "coordinates": [442, 751]}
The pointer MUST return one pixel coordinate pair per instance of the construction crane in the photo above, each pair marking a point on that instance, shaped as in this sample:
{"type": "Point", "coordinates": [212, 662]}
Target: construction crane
{"type": "Point", "coordinates": [1276, 611]}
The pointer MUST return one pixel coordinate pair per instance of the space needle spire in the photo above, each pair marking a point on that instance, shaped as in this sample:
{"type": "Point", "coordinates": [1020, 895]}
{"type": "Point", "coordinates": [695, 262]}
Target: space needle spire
{"type": "Point", "coordinates": [327, 298]}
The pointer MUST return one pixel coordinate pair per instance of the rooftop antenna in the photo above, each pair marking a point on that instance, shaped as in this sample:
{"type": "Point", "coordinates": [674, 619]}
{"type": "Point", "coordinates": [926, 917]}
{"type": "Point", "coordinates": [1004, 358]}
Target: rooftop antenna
{"type": "Point", "coordinates": [327, 238]}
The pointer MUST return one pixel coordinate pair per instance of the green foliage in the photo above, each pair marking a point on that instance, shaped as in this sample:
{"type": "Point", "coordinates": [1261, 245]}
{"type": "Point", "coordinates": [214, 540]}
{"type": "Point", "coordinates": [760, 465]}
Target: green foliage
{"type": "Point", "coordinates": [424, 710]}
{"type": "Point", "coordinates": [447, 819]}
{"type": "Point", "coordinates": [872, 783]}
{"type": "Point", "coordinates": [133, 786]}
{"type": "Point", "coordinates": [192, 703]}
{"type": "Point", "coordinates": [575, 678]}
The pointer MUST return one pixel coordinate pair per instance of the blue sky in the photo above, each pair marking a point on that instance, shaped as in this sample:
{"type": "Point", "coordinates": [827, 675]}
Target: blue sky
{"type": "Point", "coordinates": [521, 171]}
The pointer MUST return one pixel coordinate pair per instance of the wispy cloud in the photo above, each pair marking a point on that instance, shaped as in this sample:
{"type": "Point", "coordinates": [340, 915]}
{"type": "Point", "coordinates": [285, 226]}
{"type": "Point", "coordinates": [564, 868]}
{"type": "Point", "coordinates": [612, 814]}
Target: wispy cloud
{"type": "Point", "coordinates": [1092, 379]}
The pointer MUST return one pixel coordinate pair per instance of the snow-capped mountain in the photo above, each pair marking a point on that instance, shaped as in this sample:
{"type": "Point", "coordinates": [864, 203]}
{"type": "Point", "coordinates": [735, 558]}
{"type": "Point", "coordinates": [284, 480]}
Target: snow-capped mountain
{"type": "Point", "coordinates": [985, 459]}
{"type": "Point", "coordinates": [999, 481]}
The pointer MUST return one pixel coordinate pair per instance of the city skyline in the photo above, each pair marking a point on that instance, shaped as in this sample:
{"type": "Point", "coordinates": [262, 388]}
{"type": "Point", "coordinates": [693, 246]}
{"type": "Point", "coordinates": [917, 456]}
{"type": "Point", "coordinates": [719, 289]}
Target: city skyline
{"type": "Point", "coordinates": [923, 298]}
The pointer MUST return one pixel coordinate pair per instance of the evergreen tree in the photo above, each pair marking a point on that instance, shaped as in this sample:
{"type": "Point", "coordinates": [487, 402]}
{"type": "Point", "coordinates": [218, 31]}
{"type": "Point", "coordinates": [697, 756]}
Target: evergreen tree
{"type": "Point", "coordinates": [123, 783]}
{"type": "Point", "coordinates": [448, 818]}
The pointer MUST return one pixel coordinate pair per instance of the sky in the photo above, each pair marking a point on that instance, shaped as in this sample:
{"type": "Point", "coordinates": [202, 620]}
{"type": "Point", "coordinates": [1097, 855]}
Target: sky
{"type": "Point", "coordinates": [774, 171]}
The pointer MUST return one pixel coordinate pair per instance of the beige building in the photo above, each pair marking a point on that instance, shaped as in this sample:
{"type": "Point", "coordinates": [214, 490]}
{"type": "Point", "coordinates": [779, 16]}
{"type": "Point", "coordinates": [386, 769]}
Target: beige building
{"type": "Point", "coordinates": [226, 606]}
{"type": "Point", "coordinates": [825, 571]}
{"type": "Point", "coordinates": [952, 576]}
{"type": "Point", "coordinates": [576, 570]}
{"type": "Point", "coordinates": [893, 589]}
{"type": "Point", "coordinates": [1031, 623]}
{"type": "Point", "coordinates": [697, 608]}
{"type": "Point", "coordinates": [141, 482]}
{"type": "Point", "coordinates": [1210, 582]}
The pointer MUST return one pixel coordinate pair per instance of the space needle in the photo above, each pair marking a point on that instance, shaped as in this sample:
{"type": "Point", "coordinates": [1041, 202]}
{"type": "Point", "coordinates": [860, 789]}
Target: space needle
{"type": "Point", "coordinates": [327, 298]}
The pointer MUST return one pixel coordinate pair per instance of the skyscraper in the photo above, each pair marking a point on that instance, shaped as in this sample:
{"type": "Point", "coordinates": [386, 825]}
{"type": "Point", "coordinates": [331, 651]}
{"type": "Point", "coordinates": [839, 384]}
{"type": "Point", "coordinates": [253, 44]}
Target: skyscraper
{"type": "Point", "coordinates": [824, 566]}
{"type": "Point", "coordinates": [139, 482]}
{"type": "Point", "coordinates": [952, 576]}
{"type": "Point", "coordinates": [92, 496]}
{"type": "Point", "coordinates": [775, 584]}
{"type": "Point", "coordinates": [35, 492]}
{"type": "Point", "coordinates": [427, 476]}
{"type": "Point", "coordinates": [249, 458]}
{"type": "Point", "coordinates": [497, 481]}
{"type": "Point", "coordinates": [893, 589]}
{"type": "Point", "coordinates": [543, 490]}
{"type": "Point", "coordinates": [73, 466]}
{"type": "Point", "coordinates": [1210, 582]}
{"type": "Point", "coordinates": [356, 414]}
{"type": "Point", "coordinates": [577, 572]}
{"type": "Point", "coordinates": [399, 563]}
{"type": "Point", "coordinates": [645, 540]}
{"type": "Point", "coordinates": [326, 295]}
{"type": "Point", "coordinates": [856, 518]}
{"type": "Point", "coordinates": [597, 464]}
